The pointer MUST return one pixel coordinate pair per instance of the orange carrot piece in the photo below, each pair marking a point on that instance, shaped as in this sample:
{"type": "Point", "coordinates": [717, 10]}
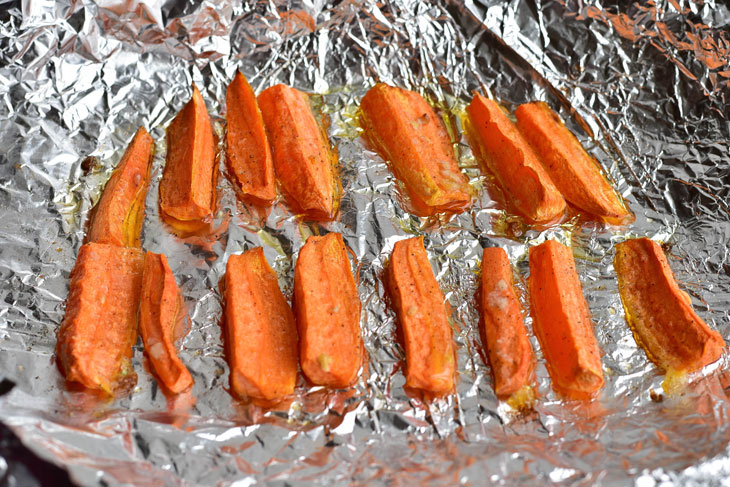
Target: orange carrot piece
{"type": "Point", "coordinates": [96, 336]}
{"type": "Point", "coordinates": [162, 320]}
{"type": "Point", "coordinates": [248, 153]}
{"type": "Point", "coordinates": [260, 332]}
{"type": "Point", "coordinates": [577, 175]}
{"type": "Point", "coordinates": [304, 163]}
{"type": "Point", "coordinates": [508, 347]}
{"type": "Point", "coordinates": [119, 214]}
{"type": "Point", "coordinates": [511, 160]}
{"type": "Point", "coordinates": [562, 322]}
{"type": "Point", "coordinates": [408, 134]}
{"type": "Point", "coordinates": [327, 308]}
{"type": "Point", "coordinates": [421, 311]}
{"type": "Point", "coordinates": [659, 313]}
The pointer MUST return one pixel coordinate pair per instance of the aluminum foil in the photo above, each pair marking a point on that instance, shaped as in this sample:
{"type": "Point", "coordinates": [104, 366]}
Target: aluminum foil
{"type": "Point", "coordinates": [647, 90]}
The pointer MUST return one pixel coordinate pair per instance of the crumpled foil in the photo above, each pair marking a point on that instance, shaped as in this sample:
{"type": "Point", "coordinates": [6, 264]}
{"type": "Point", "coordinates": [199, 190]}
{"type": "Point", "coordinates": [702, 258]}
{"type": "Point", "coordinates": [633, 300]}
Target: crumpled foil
{"type": "Point", "coordinates": [647, 90]}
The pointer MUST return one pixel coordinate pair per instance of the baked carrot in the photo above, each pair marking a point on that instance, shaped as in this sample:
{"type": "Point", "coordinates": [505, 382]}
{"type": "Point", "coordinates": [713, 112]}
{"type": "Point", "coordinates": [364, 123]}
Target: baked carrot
{"type": "Point", "coordinates": [507, 155]}
{"type": "Point", "coordinates": [187, 188]}
{"type": "Point", "coordinates": [508, 347]}
{"type": "Point", "coordinates": [248, 155]}
{"type": "Point", "coordinates": [408, 134]}
{"type": "Point", "coordinates": [659, 313]}
{"type": "Point", "coordinates": [260, 333]}
{"type": "Point", "coordinates": [119, 214]}
{"type": "Point", "coordinates": [562, 322]}
{"type": "Point", "coordinates": [423, 324]}
{"type": "Point", "coordinates": [577, 175]}
{"type": "Point", "coordinates": [162, 321]}
{"type": "Point", "coordinates": [305, 165]}
{"type": "Point", "coordinates": [100, 326]}
{"type": "Point", "coordinates": [327, 308]}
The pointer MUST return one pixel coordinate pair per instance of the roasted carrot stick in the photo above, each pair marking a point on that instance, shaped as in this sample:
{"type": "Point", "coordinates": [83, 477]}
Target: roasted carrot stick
{"type": "Point", "coordinates": [304, 163]}
{"type": "Point", "coordinates": [248, 154]}
{"type": "Point", "coordinates": [576, 174]}
{"type": "Point", "coordinates": [659, 313]}
{"type": "Point", "coordinates": [162, 321]}
{"type": "Point", "coordinates": [119, 214]}
{"type": "Point", "coordinates": [421, 311]}
{"type": "Point", "coordinates": [508, 156]}
{"type": "Point", "coordinates": [327, 308]}
{"type": "Point", "coordinates": [187, 188]}
{"type": "Point", "coordinates": [508, 347]}
{"type": "Point", "coordinates": [562, 322]}
{"type": "Point", "coordinates": [260, 333]}
{"type": "Point", "coordinates": [405, 130]}
{"type": "Point", "coordinates": [100, 327]}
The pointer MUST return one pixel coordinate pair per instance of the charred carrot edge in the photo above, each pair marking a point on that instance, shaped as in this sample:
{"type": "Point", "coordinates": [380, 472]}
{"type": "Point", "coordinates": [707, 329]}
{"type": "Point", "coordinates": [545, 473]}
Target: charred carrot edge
{"type": "Point", "coordinates": [163, 320]}
{"type": "Point", "coordinates": [659, 313]}
{"type": "Point", "coordinates": [424, 326]}
{"type": "Point", "coordinates": [119, 214]}
{"type": "Point", "coordinates": [260, 332]}
{"type": "Point", "coordinates": [577, 175]}
{"type": "Point", "coordinates": [327, 308]}
{"type": "Point", "coordinates": [304, 163]}
{"type": "Point", "coordinates": [100, 326]}
{"type": "Point", "coordinates": [248, 155]}
{"type": "Point", "coordinates": [562, 322]}
{"type": "Point", "coordinates": [517, 170]}
{"type": "Point", "coordinates": [408, 134]}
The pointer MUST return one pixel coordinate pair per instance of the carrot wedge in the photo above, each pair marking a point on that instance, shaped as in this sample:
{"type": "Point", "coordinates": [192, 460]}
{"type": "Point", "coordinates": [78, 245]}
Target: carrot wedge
{"type": "Point", "coordinates": [163, 320]}
{"type": "Point", "coordinates": [327, 308]}
{"type": "Point", "coordinates": [508, 347]}
{"type": "Point", "coordinates": [100, 326]}
{"type": "Point", "coordinates": [562, 322]}
{"type": "Point", "coordinates": [248, 155]}
{"type": "Point", "coordinates": [659, 313]}
{"type": "Point", "coordinates": [577, 175]}
{"type": "Point", "coordinates": [119, 214]}
{"type": "Point", "coordinates": [304, 163]}
{"type": "Point", "coordinates": [507, 155]}
{"type": "Point", "coordinates": [422, 320]}
{"type": "Point", "coordinates": [408, 134]}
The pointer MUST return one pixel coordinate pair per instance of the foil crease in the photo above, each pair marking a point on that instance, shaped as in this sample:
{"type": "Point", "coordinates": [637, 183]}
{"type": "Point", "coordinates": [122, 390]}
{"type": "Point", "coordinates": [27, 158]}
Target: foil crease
{"type": "Point", "coordinates": [645, 88]}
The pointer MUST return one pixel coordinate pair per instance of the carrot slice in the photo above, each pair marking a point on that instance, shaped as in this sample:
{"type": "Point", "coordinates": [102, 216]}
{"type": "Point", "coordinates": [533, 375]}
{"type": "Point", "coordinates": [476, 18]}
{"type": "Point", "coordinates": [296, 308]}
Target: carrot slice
{"type": "Point", "coordinates": [100, 326]}
{"type": "Point", "coordinates": [327, 308]}
{"type": "Point", "coordinates": [424, 326]}
{"type": "Point", "coordinates": [562, 322]}
{"type": "Point", "coordinates": [304, 163]}
{"type": "Point", "coordinates": [408, 134]}
{"type": "Point", "coordinates": [248, 154]}
{"type": "Point", "coordinates": [576, 174]}
{"type": "Point", "coordinates": [260, 333]}
{"type": "Point", "coordinates": [163, 320]}
{"type": "Point", "coordinates": [119, 214]}
{"type": "Point", "coordinates": [508, 347]}
{"type": "Point", "coordinates": [659, 313]}
{"type": "Point", "coordinates": [508, 156]}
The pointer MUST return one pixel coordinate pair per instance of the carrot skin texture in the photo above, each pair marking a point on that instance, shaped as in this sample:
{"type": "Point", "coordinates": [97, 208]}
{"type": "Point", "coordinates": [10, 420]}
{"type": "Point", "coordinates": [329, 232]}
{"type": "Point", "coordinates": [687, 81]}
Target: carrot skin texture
{"type": "Point", "coordinates": [99, 328]}
{"type": "Point", "coordinates": [259, 330]}
{"type": "Point", "coordinates": [659, 313]}
{"type": "Point", "coordinates": [562, 322]}
{"type": "Point", "coordinates": [327, 308]}
{"type": "Point", "coordinates": [408, 134]}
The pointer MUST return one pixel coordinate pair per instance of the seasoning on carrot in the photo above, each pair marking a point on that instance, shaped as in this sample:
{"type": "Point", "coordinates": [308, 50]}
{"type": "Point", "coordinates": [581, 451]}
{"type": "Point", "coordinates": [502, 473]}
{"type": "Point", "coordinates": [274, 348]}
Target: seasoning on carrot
{"type": "Point", "coordinates": [507, 155]}
{"type": "Point", "coordinates": [305, 165]}
{"type": "Point", "coordinates": [327, 308]}
{"type": "Point", "coordinates": [659, 313]}
{"type": "Point", "coordinates": [562, 322]}
{"type": "Point", "coordinates": [408, 134]}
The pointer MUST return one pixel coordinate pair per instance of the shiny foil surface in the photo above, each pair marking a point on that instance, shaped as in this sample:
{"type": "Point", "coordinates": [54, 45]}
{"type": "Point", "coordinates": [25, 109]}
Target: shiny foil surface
{"type": "Point", "coordinates": [645, 87]}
